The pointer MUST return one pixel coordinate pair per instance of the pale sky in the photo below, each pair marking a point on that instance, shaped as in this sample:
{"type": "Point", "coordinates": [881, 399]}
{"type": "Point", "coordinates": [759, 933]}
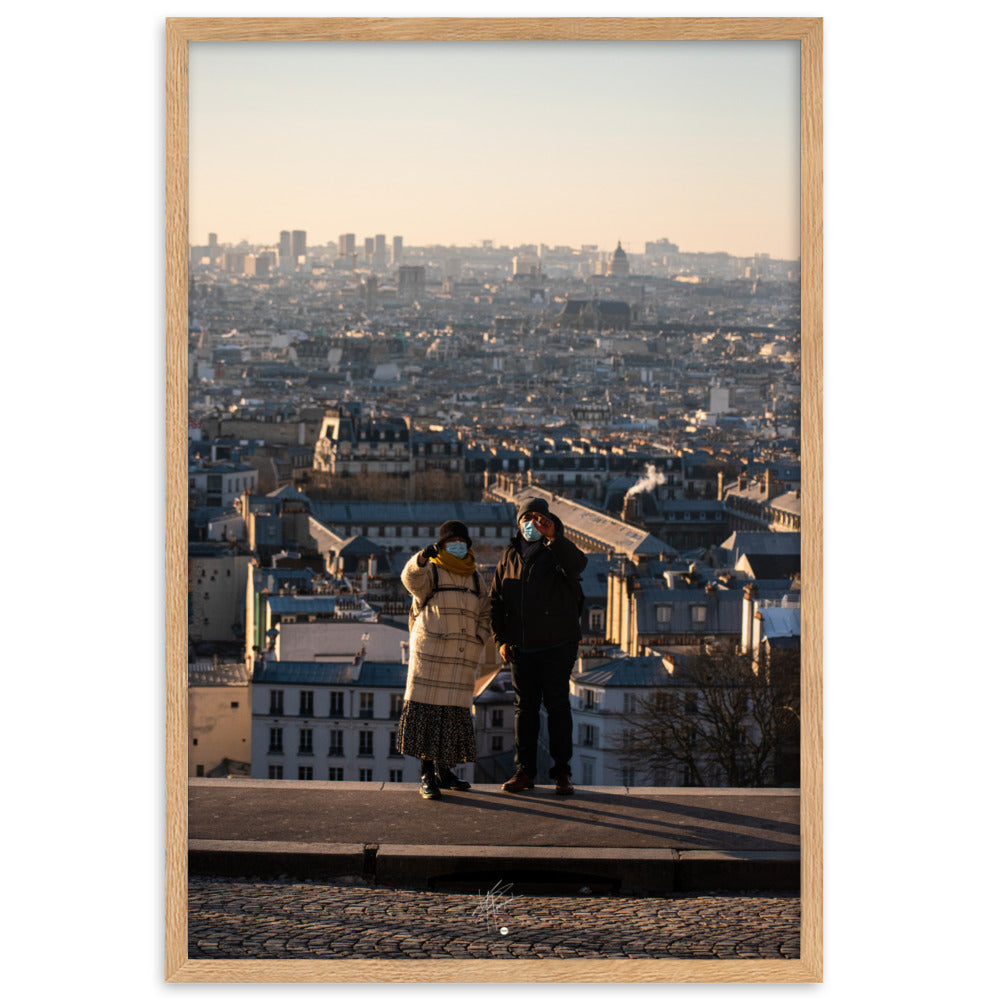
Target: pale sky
{"type": "Point", "coordinates": [563, 143]}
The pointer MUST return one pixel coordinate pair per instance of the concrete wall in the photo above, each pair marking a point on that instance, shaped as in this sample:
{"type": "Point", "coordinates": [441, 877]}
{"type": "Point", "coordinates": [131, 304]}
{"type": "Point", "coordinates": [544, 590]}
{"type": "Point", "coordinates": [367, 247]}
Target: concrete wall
{"type": "Point", "coordinates": [220, 729]}
{"type": "Point", "coordinates": [217, 589]}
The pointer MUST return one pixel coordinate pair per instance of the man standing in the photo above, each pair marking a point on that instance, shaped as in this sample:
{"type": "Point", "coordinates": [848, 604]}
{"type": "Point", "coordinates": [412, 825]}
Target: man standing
{"type": "Point", "coordinates": [536, 600]}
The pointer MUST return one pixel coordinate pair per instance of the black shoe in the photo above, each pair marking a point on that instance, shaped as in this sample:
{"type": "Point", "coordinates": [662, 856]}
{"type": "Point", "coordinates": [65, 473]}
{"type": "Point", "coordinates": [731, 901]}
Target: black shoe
{"type": "Point", "coordinates": [448, 779]}
{"type": "Point", "coordinates": [563, 785]}
{"type": "Point", "coordinates": [429, 786]}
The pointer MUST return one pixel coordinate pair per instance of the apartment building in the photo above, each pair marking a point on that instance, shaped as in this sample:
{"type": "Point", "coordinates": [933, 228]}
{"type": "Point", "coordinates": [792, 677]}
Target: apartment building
{"type": "Point", "coordinates": [333, 721]}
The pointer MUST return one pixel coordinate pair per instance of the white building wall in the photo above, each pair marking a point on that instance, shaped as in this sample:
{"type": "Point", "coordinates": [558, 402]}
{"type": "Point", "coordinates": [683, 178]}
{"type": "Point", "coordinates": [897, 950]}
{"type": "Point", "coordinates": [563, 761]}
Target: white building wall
{"type": "Point", "coordinates": [597, 763]}
{"type": "Point", "coordinates": [308, 641]}
{"type": "Point", "coordinates": [718, 400]}
{"type": "Point", "coordinates": [235, 483]}
{"type": "Point", "coordinates": [382, 762]}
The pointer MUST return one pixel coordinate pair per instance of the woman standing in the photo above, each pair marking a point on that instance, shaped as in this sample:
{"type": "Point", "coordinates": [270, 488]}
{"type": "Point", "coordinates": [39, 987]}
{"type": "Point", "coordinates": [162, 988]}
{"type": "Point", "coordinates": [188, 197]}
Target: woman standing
{"type": "Point", "coordinates": [447, 639]}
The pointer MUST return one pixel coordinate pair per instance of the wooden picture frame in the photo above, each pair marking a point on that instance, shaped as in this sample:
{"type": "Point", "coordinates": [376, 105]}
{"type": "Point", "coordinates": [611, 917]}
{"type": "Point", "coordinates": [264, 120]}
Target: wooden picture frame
{"type": "Point", "coordinates": [179, 33]}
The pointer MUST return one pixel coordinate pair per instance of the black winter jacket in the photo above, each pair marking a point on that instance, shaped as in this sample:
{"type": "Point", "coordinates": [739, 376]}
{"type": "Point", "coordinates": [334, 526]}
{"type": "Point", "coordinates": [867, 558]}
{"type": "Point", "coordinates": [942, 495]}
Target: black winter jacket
{"type": "Point", "coordinates": [538, 602]}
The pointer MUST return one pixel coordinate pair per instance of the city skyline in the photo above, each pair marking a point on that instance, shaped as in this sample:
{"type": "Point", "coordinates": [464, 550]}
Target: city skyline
{"type": "Point", "coordinates": [223, 239]}
{"type": "Point", "coordinates": [457, 143]}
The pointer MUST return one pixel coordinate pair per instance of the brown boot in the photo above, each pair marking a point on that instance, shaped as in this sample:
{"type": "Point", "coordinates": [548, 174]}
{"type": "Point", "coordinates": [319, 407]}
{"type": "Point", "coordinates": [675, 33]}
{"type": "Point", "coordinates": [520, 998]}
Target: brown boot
{"type": "Point", "coordinates": [521, 782]}
{"type": "Point", "coordinates": [563, 785]}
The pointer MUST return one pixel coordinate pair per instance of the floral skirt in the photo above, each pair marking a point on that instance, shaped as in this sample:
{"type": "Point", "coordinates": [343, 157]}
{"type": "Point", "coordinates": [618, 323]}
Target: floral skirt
{"type": "Point", "coordinates": [442, 733]}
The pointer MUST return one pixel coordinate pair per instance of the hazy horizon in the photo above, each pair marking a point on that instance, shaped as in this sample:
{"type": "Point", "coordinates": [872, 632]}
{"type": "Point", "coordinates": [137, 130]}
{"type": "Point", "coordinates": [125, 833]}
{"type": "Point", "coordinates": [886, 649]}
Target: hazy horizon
{"type": "Point", "coordinates": [453, 143]}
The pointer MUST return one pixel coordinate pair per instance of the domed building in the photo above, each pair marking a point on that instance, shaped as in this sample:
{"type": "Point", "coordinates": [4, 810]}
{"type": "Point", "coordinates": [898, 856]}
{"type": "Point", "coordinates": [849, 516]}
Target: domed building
{"type": "Point", "coordinates": [619, 263]}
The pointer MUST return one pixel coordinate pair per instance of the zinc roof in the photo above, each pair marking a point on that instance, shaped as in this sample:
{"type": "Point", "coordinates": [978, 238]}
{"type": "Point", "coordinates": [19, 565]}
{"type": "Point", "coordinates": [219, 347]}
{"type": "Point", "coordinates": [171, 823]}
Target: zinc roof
{"type": "Point", "coordinates": [417, 512]}
{"type": "Point", "coordinates": [626, 671]}
{"type": "Point", "coordinates": [296, 672]}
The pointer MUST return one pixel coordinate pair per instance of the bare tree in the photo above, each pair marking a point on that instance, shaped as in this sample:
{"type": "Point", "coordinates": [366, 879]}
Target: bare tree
{"type": "Point", "coordinates": [721, 720]}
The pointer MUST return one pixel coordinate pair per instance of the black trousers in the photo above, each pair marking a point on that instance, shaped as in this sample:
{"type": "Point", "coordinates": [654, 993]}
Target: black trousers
{"type": "Point", "coordinates": [538, 678]}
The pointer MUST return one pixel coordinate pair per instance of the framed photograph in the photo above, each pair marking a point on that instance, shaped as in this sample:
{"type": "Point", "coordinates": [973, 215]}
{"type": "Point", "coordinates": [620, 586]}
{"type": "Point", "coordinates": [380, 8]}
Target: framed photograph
{"type": "Point", "coordinates": [529, 260]}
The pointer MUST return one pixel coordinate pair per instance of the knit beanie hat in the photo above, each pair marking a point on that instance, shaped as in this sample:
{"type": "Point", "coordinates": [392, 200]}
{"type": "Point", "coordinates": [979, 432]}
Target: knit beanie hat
{"type": "Point", "coordinates": [454, 529]}
{"type": "Point", "coordinates": [529, 504]}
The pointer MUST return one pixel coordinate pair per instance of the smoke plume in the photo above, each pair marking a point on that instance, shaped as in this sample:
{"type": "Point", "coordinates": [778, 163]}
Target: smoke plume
{"type": "Point", "coordinates": [649, 481]}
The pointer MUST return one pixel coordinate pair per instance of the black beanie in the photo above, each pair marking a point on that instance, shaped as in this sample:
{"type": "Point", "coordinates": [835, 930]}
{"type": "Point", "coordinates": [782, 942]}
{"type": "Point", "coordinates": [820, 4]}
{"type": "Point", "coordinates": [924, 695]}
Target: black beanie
{"type": "Point", "coordinates": [536, 504]}
{"type": "Point", "coordinates": [454, 529]}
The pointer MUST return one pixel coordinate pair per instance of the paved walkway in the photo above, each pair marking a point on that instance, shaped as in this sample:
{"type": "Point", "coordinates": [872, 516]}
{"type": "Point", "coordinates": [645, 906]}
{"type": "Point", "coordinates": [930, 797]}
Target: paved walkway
{"type": "Point", "coordinates": [350, 813]}
{"type": "Point", "coordinates": [282, 918]}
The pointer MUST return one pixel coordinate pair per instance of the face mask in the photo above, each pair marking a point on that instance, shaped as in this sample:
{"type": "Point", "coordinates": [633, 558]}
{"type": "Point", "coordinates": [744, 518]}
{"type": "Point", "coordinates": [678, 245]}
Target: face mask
{"type": "Point", "coordinates": [457, 549]}
{"type": "Point", "coordinates": [530, 532]}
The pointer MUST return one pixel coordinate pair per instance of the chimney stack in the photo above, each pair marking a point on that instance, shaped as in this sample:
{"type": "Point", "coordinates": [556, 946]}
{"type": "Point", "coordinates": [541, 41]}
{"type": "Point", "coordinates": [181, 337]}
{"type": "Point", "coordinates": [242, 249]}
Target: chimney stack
{"type": "Point", "coordinates": [770, 485]}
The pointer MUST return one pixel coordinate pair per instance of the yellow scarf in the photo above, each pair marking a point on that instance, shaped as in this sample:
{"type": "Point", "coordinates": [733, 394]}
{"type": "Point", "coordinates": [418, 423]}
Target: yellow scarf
{"type": "Point", "coordinates": [465, 566]}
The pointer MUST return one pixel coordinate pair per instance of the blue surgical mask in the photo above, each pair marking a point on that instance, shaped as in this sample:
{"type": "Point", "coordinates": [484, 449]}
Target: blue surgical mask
{"type": "Point", "coordinates": [457, 549]}
{"type": "Point", "coordinates": [530, 532]}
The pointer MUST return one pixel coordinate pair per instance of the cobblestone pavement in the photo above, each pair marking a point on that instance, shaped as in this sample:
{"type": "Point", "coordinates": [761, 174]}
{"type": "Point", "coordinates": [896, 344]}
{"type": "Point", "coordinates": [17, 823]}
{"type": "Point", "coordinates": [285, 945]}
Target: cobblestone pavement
{"type": "Point", "coordinates": [288, 918]}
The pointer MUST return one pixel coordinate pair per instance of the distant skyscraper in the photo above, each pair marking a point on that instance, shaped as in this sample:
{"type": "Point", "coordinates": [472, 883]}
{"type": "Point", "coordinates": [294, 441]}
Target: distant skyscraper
{"type": "Point", "coordinates": [397, 249]}
{"type": "Point", "coordinates": [298, 243]}
{"type": "Point", "coordinates": [263, 264]}
{"type": "Point", "coordinates": [412, 281]}
{"type": "Point", "coordinates": [285, 244]}
{"type": "Point", "coordinates": [345, 244]}
{"type": "Point", "coordinates": [235, 261]}
{"type": "Point", "coordinates": [379, 260]}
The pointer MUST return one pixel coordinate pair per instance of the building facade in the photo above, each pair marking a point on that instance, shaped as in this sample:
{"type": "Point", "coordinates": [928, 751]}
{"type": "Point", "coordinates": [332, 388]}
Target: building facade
{"type": "Point", "coordinates": [219, 719]}
{"type": "Point", "coordinates": [219, 484]}
{"type": "Point", "coordinates": [763, 504]}
{"type": "Point", "coordinates": [216, 587]}
{"type": "Point", "coordinates": [352, 445]}
{"type": "Point", "coordinates": [329, 722]}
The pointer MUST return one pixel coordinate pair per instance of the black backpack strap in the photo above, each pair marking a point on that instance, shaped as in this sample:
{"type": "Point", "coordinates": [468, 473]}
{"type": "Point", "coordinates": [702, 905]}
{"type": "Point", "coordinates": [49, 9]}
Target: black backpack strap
{"type": "Point", "coordinates": [436, 588]}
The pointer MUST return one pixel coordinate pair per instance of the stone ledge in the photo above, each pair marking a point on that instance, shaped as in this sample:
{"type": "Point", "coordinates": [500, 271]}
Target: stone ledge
{"type": "Point", "coordinates": [531, 870]}
{"type": "Point", "coordinates": [647, 791]}
{"type": "Point", "coordinates": [264, 858]}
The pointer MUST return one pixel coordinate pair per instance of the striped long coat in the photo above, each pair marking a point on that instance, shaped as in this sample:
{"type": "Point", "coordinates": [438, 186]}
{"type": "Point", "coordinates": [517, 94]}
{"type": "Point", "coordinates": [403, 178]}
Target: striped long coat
{"type": "Point", "coordinates": [448, 637]}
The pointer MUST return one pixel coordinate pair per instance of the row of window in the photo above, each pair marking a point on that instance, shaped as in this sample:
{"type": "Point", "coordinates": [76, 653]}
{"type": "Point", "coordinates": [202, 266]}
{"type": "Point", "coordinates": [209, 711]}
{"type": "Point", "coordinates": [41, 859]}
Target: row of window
{"type": "Point", "coordinates": [665, 614]}
{"type": "Point", "coordinates": [409, 531]}
{"type": "Point", "coordinates": [591, 700]}
{"type": "Point", "coordinates": [716, 515]}
{"type": "Point", "coordinates": [366, 704]}
{"type": "Point", "coordinates": [233, 484]}
{"type": "Point", "coordinates": [276, 772]}
{"type": "Point", "coordinates": [335, 748]}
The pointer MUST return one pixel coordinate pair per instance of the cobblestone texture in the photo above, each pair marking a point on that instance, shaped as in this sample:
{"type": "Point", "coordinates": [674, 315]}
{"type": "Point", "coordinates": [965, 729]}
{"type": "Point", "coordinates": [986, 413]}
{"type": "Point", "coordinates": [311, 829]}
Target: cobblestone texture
{"type": "Point", "coordinates": [286, 918]}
